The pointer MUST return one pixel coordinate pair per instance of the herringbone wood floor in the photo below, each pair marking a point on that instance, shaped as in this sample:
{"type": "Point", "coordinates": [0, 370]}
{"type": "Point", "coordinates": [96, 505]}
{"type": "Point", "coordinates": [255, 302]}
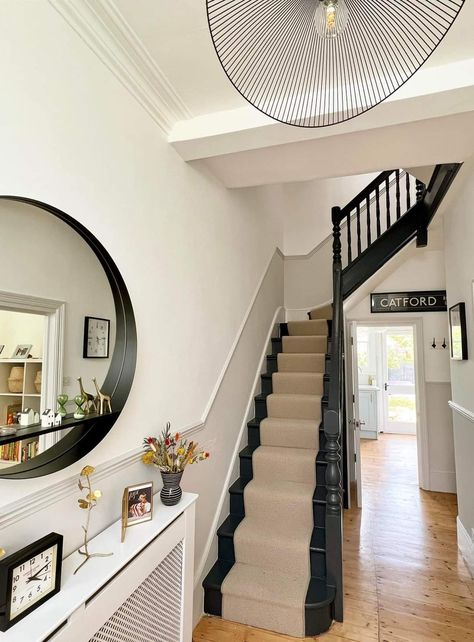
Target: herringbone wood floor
{"type": "Point", "coordinates": [404, 579]}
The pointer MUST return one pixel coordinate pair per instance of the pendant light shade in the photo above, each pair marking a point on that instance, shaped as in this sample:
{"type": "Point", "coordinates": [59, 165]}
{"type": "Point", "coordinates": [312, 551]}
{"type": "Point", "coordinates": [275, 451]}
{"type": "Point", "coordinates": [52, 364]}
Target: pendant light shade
{"type": "Point", "coordinates": [314, 63]}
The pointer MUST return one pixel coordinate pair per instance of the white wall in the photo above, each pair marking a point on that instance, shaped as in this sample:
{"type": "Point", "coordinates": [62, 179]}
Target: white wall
{"type": "Point", "coordinates": [306, 209]}
{"type": "Point", "coordinates": [20, 327]}
{"type": "Point", "coordinates": [191, 252]}
{"type": "Point", "coordinates": [421, 269]}
{"type": "Point", "coordinates": [57, 264]}
{"type": "Point", "coordinates": [459, 230]}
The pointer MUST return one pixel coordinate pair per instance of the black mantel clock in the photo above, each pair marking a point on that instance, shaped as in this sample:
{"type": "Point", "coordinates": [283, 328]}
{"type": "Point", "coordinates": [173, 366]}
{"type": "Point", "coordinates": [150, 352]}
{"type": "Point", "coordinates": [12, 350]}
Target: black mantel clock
{"type": "Point", "coordinates": [29, 577]}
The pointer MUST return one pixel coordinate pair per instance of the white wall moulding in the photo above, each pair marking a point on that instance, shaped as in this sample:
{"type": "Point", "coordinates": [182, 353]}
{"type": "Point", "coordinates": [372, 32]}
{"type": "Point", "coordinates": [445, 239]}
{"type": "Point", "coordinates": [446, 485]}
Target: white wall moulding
{"type": "Point", "coordinates": [101, 589]}
{"type": "Point", "coordinates": [33, 503]}
{"type": "Point", "coordinates": [464, 412]}
{"type": "Point", "coordinates": [103, 29]}
{"type": "Point", "coordinates": [466, 546]}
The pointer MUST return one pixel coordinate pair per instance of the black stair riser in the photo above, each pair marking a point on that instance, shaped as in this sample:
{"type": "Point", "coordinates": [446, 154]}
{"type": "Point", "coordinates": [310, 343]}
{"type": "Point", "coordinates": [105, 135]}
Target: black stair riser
{"type": "Point", "coordinates": [284, 329]}
{"type": "Point", "coordinates": [226, 548]}
{"type": "Point", "coordinates": [321, 473]}
{"type": "Point", "coordinates": [318, 563]}
{"type": "Point", "coordinates": [237, 504]}
{"type": "Point", "coordinates": [260, 408]}
{"type": "Point", "coordinates": [213, 602]}
{"type": "Point", "coordinates": [267, 385]}
{"type": "Point", "coordinates": [318, 621]}
{"type": "Point", "coordinates": [277, 345]}
{"type": "Point", "coordinates": [246, 468]}
{"type": "Point", "coordinates": [253, 432]}
{"type": "Point", "coordinates": [272, 364]}
{"type": "Point", "coordinates": [319, 514]}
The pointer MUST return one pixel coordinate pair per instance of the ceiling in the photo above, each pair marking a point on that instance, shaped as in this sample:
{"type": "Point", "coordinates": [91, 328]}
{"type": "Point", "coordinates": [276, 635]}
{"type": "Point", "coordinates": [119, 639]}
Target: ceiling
{"type": "Point", "coordinates": [176, 35]}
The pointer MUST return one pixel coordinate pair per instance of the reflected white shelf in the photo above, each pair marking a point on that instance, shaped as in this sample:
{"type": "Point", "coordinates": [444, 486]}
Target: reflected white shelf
{"type": "Point", "coordinates": [22, 361]}
{"type": "Point", "coordinates": [11, 394]}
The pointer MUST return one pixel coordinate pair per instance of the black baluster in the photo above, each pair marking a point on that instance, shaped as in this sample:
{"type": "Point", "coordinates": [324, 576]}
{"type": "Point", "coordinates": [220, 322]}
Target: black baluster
{"type": "Point", "coordinates": [349, 239]}
{"type": "Point", "coordinates": [420, 188]}
{"type": "Point", "coordinates": [377, 209]}
{"type": "Point", "coordinates": [397, 181]}
{"type": "Point", "coordinates": [407, 178]}
{"type": "Point", "coordinates": [359, 245]}
{"type": "Point", "coordinates": [387, 199]}
{"type": "Point", "coordinates": [369, 231]}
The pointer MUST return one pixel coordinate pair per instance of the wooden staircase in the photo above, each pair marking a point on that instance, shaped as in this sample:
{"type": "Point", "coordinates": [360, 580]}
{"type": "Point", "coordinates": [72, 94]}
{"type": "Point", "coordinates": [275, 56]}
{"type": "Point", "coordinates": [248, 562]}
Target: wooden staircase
{"type": "Point", "coordinates": [369, 231]}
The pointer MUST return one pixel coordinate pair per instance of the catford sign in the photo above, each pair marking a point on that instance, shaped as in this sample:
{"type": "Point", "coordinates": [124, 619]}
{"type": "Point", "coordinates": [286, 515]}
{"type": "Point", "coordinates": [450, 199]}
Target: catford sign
{"type": "Point", "coordinates": [426, 301]}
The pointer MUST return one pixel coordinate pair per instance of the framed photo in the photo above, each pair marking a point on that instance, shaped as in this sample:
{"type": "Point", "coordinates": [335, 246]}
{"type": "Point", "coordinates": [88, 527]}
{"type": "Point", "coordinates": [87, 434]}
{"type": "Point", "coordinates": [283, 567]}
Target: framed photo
{"type": "Point", "coordinates": [458, 332]}
{"type": "Point", "coordinates": [137, 505]}
{"type": "Point", "coordinates": [96, 338]}
{"type": "Point", "coordinates": [22, 351]}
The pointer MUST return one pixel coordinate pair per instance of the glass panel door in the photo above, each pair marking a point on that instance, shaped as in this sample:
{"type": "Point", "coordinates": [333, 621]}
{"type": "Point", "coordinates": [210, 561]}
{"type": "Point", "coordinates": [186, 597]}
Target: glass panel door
{"type": "Point", "coordinates": [399, 385]}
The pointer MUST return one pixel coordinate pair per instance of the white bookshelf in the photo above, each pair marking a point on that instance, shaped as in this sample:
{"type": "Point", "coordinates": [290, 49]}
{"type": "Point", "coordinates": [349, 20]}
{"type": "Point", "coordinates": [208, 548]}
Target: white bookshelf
{"type": "Point", "coordinates": [28, 398]}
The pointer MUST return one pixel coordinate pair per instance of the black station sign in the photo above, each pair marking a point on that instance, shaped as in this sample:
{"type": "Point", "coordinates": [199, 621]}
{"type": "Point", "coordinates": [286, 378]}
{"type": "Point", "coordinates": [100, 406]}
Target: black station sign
{"type": "Point", "coordinates": [429, 301]}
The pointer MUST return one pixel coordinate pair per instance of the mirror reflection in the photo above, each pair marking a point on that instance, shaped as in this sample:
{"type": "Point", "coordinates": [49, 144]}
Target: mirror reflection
{"type": "Point", "coordinates": [57, 332]}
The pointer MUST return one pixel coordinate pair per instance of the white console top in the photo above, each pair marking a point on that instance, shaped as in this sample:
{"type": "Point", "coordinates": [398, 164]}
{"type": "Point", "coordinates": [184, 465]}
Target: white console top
{"type": "Point", "coordinates": [77, 589]}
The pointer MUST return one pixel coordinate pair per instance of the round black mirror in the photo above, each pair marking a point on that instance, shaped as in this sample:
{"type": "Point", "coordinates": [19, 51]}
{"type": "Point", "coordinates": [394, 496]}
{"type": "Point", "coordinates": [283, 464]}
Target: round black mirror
{"type": "Point", "coordinates": [82, 340]}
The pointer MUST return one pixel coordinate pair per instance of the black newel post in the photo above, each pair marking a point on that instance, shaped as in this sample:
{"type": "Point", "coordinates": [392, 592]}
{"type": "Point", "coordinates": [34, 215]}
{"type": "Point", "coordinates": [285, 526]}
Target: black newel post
{"type": "Point", "coordinates": [332, 429]}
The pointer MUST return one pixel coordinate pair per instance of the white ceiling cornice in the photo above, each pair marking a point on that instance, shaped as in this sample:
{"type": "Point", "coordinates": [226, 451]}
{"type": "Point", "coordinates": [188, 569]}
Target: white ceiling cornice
{"type": "Point", "coordinates": [104, 30]}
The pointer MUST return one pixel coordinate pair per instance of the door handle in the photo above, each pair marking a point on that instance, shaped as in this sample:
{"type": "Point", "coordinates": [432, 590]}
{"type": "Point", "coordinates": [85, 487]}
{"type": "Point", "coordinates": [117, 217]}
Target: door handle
{"type": "Point", "coordinates": [386, 386]}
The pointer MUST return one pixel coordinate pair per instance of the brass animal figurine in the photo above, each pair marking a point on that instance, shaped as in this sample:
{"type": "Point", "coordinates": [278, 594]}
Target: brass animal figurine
{"type": "Point", "coordinates": [90, 399]}
{"type": "Point", "coordinates": [103, 401]}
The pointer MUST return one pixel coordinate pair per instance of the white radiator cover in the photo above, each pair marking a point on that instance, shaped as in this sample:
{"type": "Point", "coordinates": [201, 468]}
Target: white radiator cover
{"type": "Point", "coordinates": [142, 593]}
{"type": "Point", "coordinates": [153, 610]}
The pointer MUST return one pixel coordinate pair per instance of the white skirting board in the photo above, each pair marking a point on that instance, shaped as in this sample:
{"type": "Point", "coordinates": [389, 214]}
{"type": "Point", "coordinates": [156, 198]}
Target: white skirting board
{"type": "Point", "coordinates": [466, 546]}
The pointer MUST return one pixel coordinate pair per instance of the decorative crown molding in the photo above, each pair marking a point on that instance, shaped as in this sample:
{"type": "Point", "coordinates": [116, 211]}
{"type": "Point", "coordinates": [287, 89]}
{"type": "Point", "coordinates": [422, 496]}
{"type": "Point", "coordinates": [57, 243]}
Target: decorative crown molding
{"type": "Point", "coordinates": [103, 28]}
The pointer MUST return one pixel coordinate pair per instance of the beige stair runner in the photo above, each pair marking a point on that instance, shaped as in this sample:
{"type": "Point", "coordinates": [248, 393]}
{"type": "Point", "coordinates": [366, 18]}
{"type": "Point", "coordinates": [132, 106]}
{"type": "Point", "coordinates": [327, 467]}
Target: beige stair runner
{"type": "Point", "coordinates": [267, 585]}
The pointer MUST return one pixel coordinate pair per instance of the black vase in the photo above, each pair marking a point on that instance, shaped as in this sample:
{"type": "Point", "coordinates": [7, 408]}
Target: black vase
{"type": "Point", "coordinates": [171, 492]}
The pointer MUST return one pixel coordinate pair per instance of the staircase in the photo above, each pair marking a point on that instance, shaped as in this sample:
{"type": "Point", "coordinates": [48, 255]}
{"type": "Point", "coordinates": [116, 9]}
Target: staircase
{"type": "Point", "coordinates": [279, 561]}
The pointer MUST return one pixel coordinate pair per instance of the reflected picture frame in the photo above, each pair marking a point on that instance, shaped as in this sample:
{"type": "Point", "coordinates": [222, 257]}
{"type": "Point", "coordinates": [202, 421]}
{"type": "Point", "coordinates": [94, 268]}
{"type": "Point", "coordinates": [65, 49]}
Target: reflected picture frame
{"type": "Point", "coordinates": [96, 338]}
{"type": "Point", "coordinates": [22, 351]}
{"type": "Point", "coordinates": [458, 332]}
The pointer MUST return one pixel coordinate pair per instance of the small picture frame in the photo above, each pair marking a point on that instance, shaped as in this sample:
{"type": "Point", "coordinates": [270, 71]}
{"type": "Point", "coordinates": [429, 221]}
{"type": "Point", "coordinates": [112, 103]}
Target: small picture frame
{"type": "Point", "coordinates": [96, 338]}
{"type": "Point", "coordinates": [137, 505]}
{"type": "Point", "coordinates": [458, 332]}
{"type": "Point", "coordinates": [22, 351]}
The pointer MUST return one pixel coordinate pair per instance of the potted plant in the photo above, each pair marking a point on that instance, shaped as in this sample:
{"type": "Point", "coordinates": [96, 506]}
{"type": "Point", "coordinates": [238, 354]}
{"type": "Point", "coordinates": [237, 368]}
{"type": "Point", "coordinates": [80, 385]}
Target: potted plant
{"type": "Point", "coordinates": [171, 455]}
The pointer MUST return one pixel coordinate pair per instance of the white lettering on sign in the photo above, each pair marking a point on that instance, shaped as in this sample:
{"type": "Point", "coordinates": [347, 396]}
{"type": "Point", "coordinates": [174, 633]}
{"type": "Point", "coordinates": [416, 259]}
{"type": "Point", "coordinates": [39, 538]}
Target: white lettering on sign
{"type": "Point", "coordinates": [404, 302]}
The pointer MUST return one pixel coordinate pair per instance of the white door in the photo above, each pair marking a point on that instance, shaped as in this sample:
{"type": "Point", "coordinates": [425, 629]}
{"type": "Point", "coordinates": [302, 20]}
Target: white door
{"type": "Point", "coordinates": [399, 391]}
{"type": "Point", "coordinates": [355, 419]}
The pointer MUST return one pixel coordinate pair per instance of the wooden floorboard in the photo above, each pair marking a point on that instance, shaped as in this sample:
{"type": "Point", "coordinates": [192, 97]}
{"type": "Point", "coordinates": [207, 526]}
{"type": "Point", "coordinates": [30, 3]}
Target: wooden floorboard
{"type": "Point", "coordinates": [404, 578]}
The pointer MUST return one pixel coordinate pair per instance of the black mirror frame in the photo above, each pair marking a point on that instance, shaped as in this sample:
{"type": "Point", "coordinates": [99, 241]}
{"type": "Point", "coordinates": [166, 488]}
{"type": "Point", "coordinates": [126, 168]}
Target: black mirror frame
{"type": "Point", "coordinates": [86, 435]}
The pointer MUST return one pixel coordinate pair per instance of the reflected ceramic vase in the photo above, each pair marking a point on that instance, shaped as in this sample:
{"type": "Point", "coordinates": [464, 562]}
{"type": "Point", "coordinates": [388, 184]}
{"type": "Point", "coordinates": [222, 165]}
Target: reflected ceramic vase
{"type": "Point", "coordinates": [171, 492]}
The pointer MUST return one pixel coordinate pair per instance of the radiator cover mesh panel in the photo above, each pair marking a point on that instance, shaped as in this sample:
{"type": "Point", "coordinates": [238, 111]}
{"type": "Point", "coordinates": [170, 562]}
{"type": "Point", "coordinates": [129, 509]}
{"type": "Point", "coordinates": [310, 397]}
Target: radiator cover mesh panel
{"type": "Point", "coordinates": [152, 613]}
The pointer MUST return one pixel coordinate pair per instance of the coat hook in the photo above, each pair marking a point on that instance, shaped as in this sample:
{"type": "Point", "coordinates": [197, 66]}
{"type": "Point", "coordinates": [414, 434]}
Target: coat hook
{"type": "Point", "coordinates": [444, 344]}
{"type": "Point", "coordinates": [433, 345]}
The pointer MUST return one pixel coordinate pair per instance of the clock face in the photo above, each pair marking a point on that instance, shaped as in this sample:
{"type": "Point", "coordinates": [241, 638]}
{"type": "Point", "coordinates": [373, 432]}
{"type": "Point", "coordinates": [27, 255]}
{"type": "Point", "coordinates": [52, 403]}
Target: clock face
{"type": "Point", "coordinates": [32, 580]}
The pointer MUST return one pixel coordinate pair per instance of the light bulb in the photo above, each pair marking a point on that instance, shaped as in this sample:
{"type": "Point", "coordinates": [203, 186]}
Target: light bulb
{"type": "Point", "coordinates": [330, 18]}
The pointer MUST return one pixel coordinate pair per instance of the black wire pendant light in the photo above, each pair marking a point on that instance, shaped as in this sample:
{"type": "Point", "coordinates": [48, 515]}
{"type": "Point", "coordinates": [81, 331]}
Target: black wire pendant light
{"type": "Point", "coordinates": [313, 63]}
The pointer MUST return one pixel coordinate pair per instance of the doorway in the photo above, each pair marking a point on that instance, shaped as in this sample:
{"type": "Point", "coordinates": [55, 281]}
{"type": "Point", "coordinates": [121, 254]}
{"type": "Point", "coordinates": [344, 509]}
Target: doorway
{"type": "Point", "coordinates": [386, 391]}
